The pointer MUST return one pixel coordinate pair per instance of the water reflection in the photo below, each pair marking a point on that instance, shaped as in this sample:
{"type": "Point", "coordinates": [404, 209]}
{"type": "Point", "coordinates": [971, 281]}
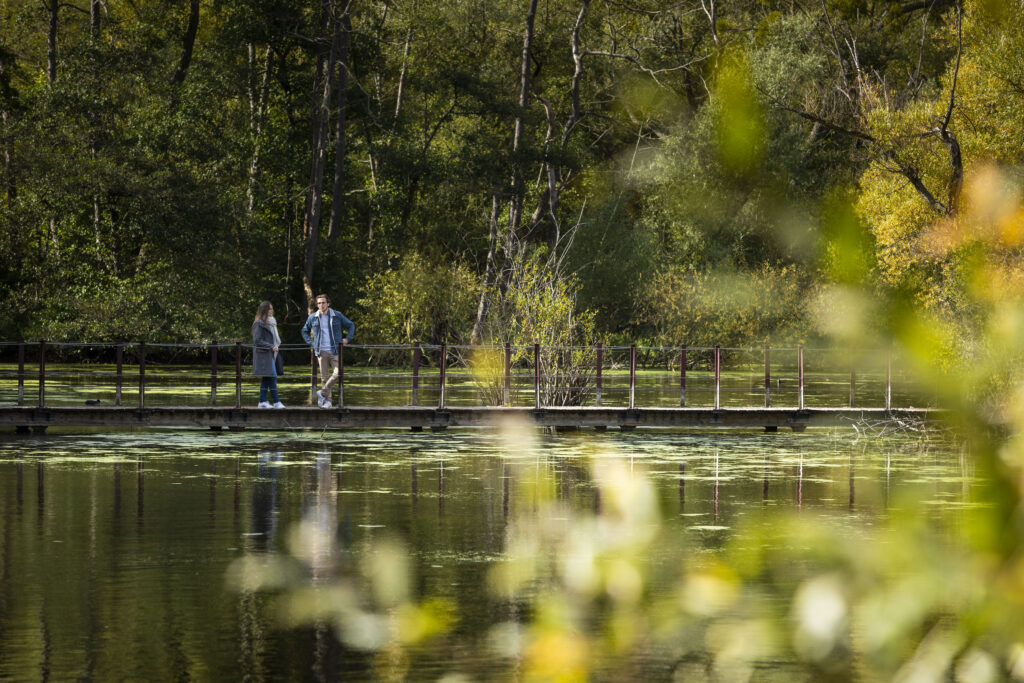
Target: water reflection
{"type": "Point", "coordinates": [682, 487]}
{"type": "Point", "coordinates": [264, 507]}
{"type": "Point", "coordinates": [800, 484]}
{"type": "Point", "coordinates": [139, 488]}
{"type": "Point", "coordinates": [851, 483]}
{"type": "Point", "coordinates": [149, 600]}
{"type": "Point", "coordinates": [40, 492]}
{"type": "Point", "coordinates": [764, 483]}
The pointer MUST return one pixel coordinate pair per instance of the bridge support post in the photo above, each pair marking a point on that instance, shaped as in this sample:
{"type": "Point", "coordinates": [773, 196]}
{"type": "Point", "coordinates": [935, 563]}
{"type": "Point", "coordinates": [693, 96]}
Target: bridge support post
{"type": "Point", "coordinates": [536, 375]}
{"type": "Point", "coordinates": [767, 376]}
{"type": "Point", "coordinates": [888, 381]}
{"type": "Point", "coordinates": [682, 377]}
{"type": "Point", "coordinates": [313, 366]}
{"type": "Point", "coordinates": [632, 376]}
{"type": "Point", "coordinates": [718, 377]}
{"type": "Point", "coordinates": [417, 354]}
{"type": "Point", "coordinates": [597, 370]}
{"type": "Point", "coordinates": [444, 370]}
{"type": "Point", "coordinates": [800, 376]}
{"type": "Point", "coordinates": [506, 399]}
{"type": "Point", "coordinates": [238, 375]}
{"type": "Point", "coordinates": [119, 376]}
{"type": "Point", "coordinates": [42, 373]}
{"type": "Point", "coordinates": [142, 375]}
{"type": "Point", "coordinates": [21, 373]}
{"type": "Point", "coordinates": [341, 375]}
{"type": "Point", "coordinates": [853, 384]}
{"type": "Point", "coordinates": [213, 373]}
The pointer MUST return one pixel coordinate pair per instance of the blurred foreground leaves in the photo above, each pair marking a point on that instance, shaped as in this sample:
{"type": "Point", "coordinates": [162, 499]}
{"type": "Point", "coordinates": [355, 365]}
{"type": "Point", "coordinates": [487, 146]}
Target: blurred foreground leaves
{"type": "Point", "coordinates": [910, 599]}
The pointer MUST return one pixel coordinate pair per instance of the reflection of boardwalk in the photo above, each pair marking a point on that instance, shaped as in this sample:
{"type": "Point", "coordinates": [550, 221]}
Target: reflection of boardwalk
{"type": "Point", "coordinates": [25, 417]}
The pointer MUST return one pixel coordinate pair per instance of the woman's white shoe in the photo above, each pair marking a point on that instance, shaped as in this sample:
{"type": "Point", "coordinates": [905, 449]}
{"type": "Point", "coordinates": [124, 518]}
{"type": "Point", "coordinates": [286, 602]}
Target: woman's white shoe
{"type": "Point", "coordinates": [263, 404]}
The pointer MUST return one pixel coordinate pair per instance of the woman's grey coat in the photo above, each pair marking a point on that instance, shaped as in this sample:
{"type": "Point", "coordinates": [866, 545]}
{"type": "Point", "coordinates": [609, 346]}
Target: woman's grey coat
{"type": "Point", "coordinates": [263, 350]}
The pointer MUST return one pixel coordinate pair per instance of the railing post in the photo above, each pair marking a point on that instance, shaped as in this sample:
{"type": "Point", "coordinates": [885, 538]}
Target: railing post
{"type": "Point", "coordinates": [213, 373]}
{"type": "Point", "coordinates": [800, 376]}
{"type": "Point", "coordinates": [417, 354]}
{"type": "Point", "coordinates": [888, 381]}
{"type": "Point", "coordinates": [21, 372]}
{"type": "Point", "coordinates": [536, 375]}
{"type": "Point", "coordinates": [313, 369]}
{"type": "Point", "coordinates": [682, 377]}
{"type": "Point", "coordinates": [238, 374]}
{"type": "Point", "coordinates": [632, 376]}
{"type": "Point", "coordinates": [600, 364]}
{"type": "Point", "coordinates": [341, 375]}
{"type": "Point", "coordinates": [42, 373]}
{"type": "Point", "coordinates": [142, 375]}
{"type": "Point", "coordinates": [444, 370]}
{"type": "Point", "coordinates": [853, 384]}
{"type": "Point", "coordinates": [718, 376]}
{"type": "Point", "coordinates": [767, 376]}
{"type": "Point", "coordinates": [119, 375]}
{"type": "Point", "coordinates": [507, 398]}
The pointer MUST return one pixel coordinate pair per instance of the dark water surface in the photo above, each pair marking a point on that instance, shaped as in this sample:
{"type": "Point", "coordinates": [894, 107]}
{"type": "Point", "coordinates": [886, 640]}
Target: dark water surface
{"type": "Point", "coordinates": [115, 547]}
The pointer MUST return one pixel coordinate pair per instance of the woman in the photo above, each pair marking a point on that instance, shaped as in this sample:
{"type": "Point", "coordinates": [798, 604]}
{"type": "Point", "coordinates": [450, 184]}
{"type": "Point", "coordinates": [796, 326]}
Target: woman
{"type": "Point", "coordinates": [264, 348]}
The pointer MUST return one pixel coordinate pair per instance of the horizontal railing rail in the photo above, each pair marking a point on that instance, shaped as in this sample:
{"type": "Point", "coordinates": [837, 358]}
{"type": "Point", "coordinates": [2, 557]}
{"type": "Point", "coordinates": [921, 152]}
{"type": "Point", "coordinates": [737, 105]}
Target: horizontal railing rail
{"type": "Point", "coordinates": [47, 373]}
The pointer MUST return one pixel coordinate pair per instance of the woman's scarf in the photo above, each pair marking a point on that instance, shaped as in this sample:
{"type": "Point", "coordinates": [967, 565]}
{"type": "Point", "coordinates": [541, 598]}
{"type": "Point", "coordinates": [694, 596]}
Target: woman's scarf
{"type": "Point", "coordinates": [272, 324]}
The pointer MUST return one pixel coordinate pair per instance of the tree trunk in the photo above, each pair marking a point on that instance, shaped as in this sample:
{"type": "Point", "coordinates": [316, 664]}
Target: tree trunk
{"type": "Point", "coordinates": [94, 18]}
{"type": "Point", "coordinates": [188, 42]}
{"type": "Point", "coordinates": [405, 67]}
{"type": "Point", "coordinates": [485, 290]}
{"type": "Point", "coordinates": [956, 164]}
{"type": "Point", "coordinates": [51, 43]}
{"type": "Point", "coordinates": [10, 185]}
{"type": "Point", "coordinates": [518, 189]}
{"type": "Point", "coordinates": [96, 228]}
{"type": "Point", "coordinates": [318, 151]}
{"type": "Point", "coordinates": [257, 105]}
{"type": "Point", "coordinates": [337, 191]}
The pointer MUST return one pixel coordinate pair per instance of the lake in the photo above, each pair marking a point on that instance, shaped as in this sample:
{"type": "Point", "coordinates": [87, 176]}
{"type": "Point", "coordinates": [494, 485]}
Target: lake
{"type": "Point", "coordinates": [163, 555]}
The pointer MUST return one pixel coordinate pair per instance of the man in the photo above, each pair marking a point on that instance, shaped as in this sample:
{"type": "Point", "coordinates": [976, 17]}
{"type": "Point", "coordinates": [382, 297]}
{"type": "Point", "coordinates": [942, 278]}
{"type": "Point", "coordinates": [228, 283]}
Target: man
{"type": "Point", "coordinates": [323, 332]}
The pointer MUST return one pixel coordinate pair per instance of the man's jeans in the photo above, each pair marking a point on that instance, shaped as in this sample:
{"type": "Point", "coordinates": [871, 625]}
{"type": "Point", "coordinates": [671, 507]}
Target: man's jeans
{"type": "Point", "coordinates": [328, 372]}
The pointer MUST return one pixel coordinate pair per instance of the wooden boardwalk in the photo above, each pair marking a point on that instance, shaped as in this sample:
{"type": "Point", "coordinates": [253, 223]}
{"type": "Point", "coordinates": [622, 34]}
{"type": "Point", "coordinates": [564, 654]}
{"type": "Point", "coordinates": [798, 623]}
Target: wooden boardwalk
{"type": "Point", "coordinates": [29, 418]}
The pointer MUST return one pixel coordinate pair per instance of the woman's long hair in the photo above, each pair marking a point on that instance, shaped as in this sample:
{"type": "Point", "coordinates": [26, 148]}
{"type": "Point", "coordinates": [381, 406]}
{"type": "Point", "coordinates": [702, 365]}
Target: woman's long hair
{"type": "Point", "coordinates": [263, 312]}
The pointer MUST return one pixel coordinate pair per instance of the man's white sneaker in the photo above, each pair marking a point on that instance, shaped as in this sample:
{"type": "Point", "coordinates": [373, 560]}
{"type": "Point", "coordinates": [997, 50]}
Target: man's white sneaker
{"type": "Point", "coordinates": [320, 399]}
{"type": "Point", "coordinates": [278, 405]}
{"type": "Point", "coordinates": [325, 404]}
{"type": "Point", "coordinates": [263, 404]}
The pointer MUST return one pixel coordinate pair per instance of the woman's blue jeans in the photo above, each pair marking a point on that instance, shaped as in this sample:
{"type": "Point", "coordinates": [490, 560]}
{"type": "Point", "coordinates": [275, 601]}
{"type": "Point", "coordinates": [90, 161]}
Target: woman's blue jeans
{"type": "Point", "coordinates": [268, 383]}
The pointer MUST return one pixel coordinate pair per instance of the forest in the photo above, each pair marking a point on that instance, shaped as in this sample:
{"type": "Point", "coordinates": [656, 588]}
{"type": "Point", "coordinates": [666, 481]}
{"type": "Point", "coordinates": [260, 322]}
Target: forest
{"type": "Point", "coordinates": [637, 171]}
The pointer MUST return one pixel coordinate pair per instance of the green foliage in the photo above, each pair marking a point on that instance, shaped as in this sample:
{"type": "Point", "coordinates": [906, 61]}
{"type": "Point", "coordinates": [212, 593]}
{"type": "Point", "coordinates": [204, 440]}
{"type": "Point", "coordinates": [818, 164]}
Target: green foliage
{"type": "Point", "coordinates": [420, 301]}
{"type": "Point", "coordinates": [537, 305]}
{"type": "Point", "coordinates": [728, 307]}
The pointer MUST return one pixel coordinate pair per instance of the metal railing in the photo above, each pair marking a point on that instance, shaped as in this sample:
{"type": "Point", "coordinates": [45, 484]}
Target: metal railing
{"type": "Point", "coordinates": [138, 373]}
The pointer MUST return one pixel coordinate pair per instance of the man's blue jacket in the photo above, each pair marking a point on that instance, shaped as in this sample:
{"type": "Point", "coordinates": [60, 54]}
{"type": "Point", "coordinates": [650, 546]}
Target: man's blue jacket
{"type": "Point", "coordinates": [311, 330]}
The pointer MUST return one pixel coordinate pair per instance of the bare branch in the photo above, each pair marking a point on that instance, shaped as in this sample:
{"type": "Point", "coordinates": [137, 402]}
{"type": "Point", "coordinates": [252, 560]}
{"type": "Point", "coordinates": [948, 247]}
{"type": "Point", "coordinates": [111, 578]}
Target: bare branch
{"type": "Point", "coordinates": [711, 10]}
{"type": "Point", "coordinates": [914, 177]}
{"type": "Point", "coordinates": [577, 58]}
{"type": "Point", "coordinates": [826, 123]}
{"type": "Point", "coordinates": [835, 43]}
{"type": "Point", "coordinates": [956, 69]}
